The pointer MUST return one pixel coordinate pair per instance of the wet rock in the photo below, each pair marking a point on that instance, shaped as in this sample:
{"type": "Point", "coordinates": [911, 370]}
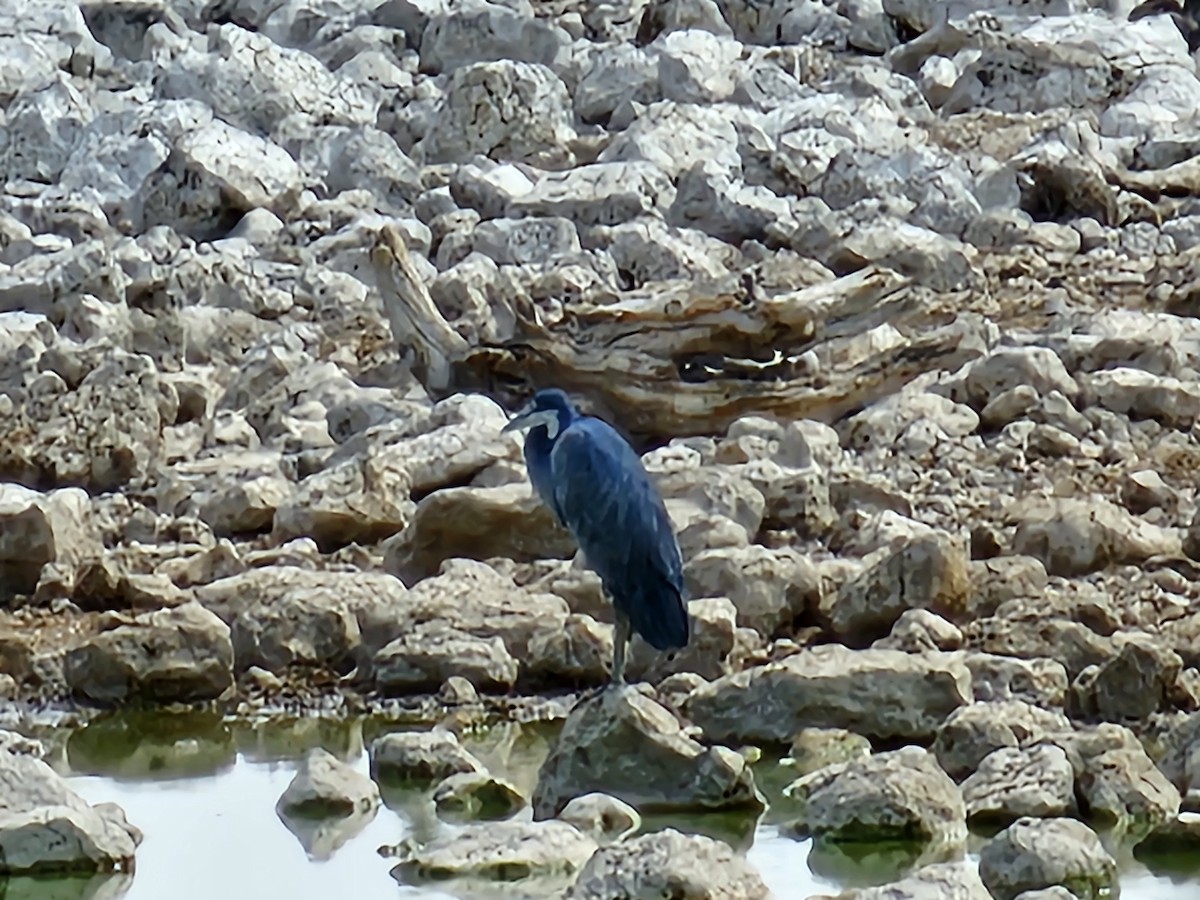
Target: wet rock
{"type": "Point", "coordinates": [477, 795]}
{"type": "Point", "coordinates": [972, 733]}
{"type": "Point", "coordinates": [326, 787]}
{"type": "Point", "coordinates": [498, 851]}
{"type": "Point", "coordinates": [668, 864]}
{"type": "Point", "coordinates": [413, 756]}
{"type": "Point", "coordinates": [667, 770]}
{"type": "Point", "coordinates": [1122, 788]}
{"type": "Point", "coordinates": [876, 693]}
{"type": "Point", "coordinates": [815, 748]}
{"type": "Point", "coordinates": [945, 881]}
{"type": "Point", "coordinates": [898, 796]}
{"type": "Point", "coordinates": [1010, 783]}
{"type": "Point", "coordinates": [46, 828]}
{"type": "Point", "coordinates": [605, 818]}
{"type": "Point", "coordinates": [181, 654]}
{"type": "Point", "coordinates": [36, 529]}
{"type": "Point", "coordinates": [1032, 854]}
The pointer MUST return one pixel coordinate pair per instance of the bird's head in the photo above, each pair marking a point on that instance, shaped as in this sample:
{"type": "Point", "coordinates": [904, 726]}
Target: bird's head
{"type": "Point", "coordinates": [550, 408]}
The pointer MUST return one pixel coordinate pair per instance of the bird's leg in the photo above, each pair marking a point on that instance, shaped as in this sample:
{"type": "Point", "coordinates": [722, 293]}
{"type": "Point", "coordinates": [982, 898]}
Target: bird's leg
{"type": "Point", "coordinates": [620, 641]}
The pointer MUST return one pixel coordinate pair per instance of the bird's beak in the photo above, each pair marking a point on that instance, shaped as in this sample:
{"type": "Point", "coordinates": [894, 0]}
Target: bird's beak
{"type": "Point", "coordinates": [530, 418]}
{"type": "Point", "coordinates": [517, 422]}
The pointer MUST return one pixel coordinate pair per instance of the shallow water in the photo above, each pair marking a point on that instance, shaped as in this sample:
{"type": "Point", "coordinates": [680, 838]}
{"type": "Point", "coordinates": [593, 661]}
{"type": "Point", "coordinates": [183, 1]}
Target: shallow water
{"type": "Point", "coordinates": [203, 791]}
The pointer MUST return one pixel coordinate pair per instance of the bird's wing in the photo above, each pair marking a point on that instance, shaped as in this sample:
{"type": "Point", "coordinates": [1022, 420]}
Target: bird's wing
{"type": "Point", "coordinates": [610, 504]}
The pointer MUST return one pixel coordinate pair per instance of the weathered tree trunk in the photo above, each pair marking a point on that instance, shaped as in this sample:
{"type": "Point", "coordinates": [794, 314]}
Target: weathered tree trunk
{"type": "Point", "coordinates": [680, 361]}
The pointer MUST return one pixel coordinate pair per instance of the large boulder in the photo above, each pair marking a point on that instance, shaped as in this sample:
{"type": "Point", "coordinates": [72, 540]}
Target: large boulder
{"type": "Point", "coordinates": [181, 654]}
{"type": "Point", "coordinates": [668, 864]}
{"type": "Point", "coordinates": [623, 743]}
{"type": "Point", "coordinates": [324, 786]}
{"type": "Point", "coordinates": [898, 796]}
{"type": "Point", "coordinates": [495, 851]}
{"type": "Point", "coordinates": [1039, 853]}
{"type": "Point", "coordinates": [46, 828]}
{"type": "Point", "coordinates": [36, 529]}
{"type": "Point", "coordinates": [877, 693]}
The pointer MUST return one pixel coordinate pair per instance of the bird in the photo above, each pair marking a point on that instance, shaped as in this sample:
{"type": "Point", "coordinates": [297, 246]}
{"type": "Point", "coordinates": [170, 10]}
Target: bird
{"type": "Point", "coordinates": [594, 483]}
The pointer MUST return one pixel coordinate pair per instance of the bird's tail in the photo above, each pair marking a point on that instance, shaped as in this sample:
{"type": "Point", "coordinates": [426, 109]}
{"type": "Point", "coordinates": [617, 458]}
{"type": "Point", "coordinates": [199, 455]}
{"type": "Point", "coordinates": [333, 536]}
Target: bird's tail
{"type": "Point", "coordinates": [659, 614]}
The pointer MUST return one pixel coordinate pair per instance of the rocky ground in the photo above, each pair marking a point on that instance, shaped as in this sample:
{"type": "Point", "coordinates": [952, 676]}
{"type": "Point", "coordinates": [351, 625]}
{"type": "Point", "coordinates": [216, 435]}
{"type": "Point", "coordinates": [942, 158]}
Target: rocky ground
{"type": "Point", "coordinates": [899, 298]}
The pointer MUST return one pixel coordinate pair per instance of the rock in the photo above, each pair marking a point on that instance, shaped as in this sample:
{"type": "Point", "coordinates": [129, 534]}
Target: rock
{"type": "Point", "coordinates": [624, 744]}
{"type": "Point", "coordinates": [1144, 395]}
{"type": "Point", "coordinates": [468, 604]}
{"type": "Point", "coordinates": [1040, 637]}
{"type": "Point", "coordinates": [1011, 783]}
{"type": "Point", "coordinates": [326, 787]}
{"type": "Point", "coordinates": [769, 588]}
{"type": "Point", "coordinates": [605, 818]}
{"type": "Point", "coordinates": [597, 194]}
{"type": "Point", "coordinates": [456, 37]}
{"type": "Point", "coordinates": [36, 529]}
{"type": "Point", "coordinates": [877, 693]}
{"type": "Point", "coordinates": [46, 828]}
{"type": "Point", "coordinates": [413, 756]}
{"type": "Point", "coordinates": [897, 796]}
{"type": "Point", "coordinates": [422, 660]}
{"type": "Point", "coordinates": [495, 851]}
{"type": "Point", "coordinates": [972, 733]}
{"type": "Point", "coordinates": [475, 523]}
{"type": "Point", "coordinates": [1122, 788]}
{"type": "Point", "coordinates": [369, 603]}
{"type": "Point", "coordinates": [1134, 684]}
{"type": "Point", "coordinates": [101, 435]}
{"type": "Point", "coordinates": [254, 84]}
{"type": "Point", "coordinates": [1073, 537]}
{"type": "Point", "coordinates": [509, 111]}
{"type": "Point", "coordinates": [1041, 682]}
{"type": "Point", "coordinates": [943, 881]}
{"type": "Point", "coordinates": [174, 655]}
{"type": "Point", "coordinates": [919, 630]}
{"type": "Point", "coordinates": [478, 796]}
{"type": "Point", "coordinates": [815, 748]}
{"type": "Point", "coordinates": [1039, 853]}
{"type": "Point", "coordinates": [927, 573]}
{"type": "Point", "coordinates": [299, 628]}
{"type": "Point", "coordinates": [668, 864]}
{"type": "Point", "coordinates": [1008, 368]}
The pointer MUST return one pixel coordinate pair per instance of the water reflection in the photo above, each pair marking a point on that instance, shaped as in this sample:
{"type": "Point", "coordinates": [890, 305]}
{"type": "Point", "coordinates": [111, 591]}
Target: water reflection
{"type": "Point", "coordinates": [95, 887]}
{"type": "Point", "coordinates": [203, 790]}
{"type": "Point", "coordinates": [321, 838]}
{"type": "Point", "coordinates": [145, 746]}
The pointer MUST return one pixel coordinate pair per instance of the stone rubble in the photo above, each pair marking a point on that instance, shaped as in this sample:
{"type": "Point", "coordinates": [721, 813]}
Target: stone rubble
{"type": "Point", "coordinates": [899, 298]}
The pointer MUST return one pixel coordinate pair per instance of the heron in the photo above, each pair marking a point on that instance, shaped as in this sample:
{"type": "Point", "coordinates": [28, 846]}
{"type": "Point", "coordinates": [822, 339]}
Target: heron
{"type": "Point", "coordinates": [596, 486]}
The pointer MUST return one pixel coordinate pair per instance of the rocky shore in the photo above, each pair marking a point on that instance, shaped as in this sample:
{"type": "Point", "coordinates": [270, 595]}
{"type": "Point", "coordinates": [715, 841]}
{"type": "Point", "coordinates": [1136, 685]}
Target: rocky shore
{"type": "Point", "coordinates": [900, 298]}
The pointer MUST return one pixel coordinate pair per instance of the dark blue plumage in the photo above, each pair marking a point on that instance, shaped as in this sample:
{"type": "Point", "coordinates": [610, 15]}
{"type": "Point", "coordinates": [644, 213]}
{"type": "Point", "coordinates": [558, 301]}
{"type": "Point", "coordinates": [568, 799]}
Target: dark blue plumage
{"type": "Point", "coordinates": [597, 487]}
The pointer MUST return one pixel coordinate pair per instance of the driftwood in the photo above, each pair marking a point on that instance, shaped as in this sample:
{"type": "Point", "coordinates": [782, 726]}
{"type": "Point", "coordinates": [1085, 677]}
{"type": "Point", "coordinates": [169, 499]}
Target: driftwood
{"type": "Point", "coordinates": [679, 361]}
